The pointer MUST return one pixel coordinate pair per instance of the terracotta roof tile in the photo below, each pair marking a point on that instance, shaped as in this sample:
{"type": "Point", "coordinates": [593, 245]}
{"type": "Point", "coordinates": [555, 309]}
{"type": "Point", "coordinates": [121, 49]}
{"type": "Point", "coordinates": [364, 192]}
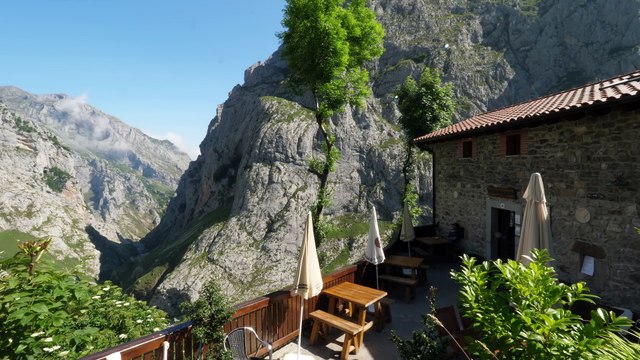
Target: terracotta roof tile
{"type": "Point", "coordinates": [619, 87]}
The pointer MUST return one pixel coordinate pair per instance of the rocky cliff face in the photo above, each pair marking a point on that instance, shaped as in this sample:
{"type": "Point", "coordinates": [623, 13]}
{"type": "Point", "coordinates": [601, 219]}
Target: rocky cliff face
{"type": "Point", "coordinates": [502, 52]}
{"type": "Point", "coordinates": [239, 209]}
{"type": "Point", "coordinates": [69, 171]}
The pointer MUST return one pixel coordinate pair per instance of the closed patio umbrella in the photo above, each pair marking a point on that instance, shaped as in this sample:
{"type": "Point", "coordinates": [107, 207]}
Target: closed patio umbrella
{"type": "Point", "coordinates": [536, 227]}
{"type": "Point", "coordinates": [406, 231]}
{"type": "Point", "coordinates": [373, 252]}
{"type": "Point", "coordinates": [308, 280]}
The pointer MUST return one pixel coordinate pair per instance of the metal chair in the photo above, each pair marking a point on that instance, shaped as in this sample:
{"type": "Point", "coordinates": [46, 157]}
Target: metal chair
{"type": "Point", "coordinates": [236, 342]}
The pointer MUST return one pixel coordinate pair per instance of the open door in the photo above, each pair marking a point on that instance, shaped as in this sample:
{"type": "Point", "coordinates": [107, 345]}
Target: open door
{"type": "Point", "coordinates": [503, 245]}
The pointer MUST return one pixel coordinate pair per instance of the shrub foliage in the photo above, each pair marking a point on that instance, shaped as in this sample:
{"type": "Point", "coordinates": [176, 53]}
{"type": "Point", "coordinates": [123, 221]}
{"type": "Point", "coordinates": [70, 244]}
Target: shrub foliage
{"type": "Point", "coordinates": [56, 178]}
{"type": "Point", "coordinates": [522, 312]}
{"type": "Point", "coordinates": [48, 313]}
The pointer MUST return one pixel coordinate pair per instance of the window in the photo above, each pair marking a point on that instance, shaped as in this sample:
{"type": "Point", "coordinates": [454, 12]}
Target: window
{"type": "Point", "coordinates": [467, 149]}
{"type": "Point", "coordinates": [513, 144]}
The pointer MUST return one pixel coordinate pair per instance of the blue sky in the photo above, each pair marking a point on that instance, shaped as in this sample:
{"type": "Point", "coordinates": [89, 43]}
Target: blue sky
{"type": "Point", "coordinates": [161, 66]}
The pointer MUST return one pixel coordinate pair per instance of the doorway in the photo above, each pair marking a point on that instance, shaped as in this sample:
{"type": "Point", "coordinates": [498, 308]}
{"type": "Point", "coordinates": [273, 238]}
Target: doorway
{"type": "Point", "coordinates": [503, 237]}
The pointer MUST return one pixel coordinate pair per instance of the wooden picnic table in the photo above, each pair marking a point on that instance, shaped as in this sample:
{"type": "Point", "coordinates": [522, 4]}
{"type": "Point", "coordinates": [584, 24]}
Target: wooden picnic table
{"type": "Point", "coordinates": [432, 242]}
{"type": "Point", "coordinates": [357, 296]}
{"type": "Point", "coordinates": [412, 263]}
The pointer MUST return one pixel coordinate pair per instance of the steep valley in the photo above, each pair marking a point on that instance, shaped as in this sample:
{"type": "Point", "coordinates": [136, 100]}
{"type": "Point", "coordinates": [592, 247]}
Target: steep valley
{"type": "Point", "coordinates": [77, 175]}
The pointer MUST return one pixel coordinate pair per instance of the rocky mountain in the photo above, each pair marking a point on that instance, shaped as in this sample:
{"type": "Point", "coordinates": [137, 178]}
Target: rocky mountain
{"type": "Point", "coordinates": [69, 171]}
{"type": "Point", "coordinates": [239, 209]}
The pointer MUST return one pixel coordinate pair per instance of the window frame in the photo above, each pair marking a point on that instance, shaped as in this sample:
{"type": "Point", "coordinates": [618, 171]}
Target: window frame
{"type": "Point", "coordinates": [467, 149]}
{"type": "Point", "coordinates": [513, 144]}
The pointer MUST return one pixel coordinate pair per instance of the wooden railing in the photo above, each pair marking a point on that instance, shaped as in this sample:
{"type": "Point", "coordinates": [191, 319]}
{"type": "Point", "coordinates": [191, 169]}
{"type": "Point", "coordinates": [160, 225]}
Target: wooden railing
{"type": "Point", "coordinates": [275, 317]}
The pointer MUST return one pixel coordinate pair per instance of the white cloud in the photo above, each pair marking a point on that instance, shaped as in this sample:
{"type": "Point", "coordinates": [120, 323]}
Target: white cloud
{"type": "Point", "coordinates": [100, 127]}
{"type": "Point", "coordinates": [75, 106]}
{"type": "Point", "coordinates": [94, 126]}
{"type": "Point", "coordinates": [192, 150]}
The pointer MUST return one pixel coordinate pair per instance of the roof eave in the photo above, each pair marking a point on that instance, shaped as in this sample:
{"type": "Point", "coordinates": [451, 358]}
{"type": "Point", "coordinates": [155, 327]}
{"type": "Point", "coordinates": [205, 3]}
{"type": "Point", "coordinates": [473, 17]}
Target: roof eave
{"type": "Point", "coordinates": [515, 124]}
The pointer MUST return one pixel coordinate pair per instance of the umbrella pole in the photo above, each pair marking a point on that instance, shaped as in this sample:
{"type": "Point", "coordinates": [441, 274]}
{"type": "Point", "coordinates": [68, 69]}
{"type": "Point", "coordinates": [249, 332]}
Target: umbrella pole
{"type": "Point", "coordinates": [409, 247]}
{"type": "Point", "coordinates": [300, 328]}
{"type": "Point", "coordinates": [377, 282]}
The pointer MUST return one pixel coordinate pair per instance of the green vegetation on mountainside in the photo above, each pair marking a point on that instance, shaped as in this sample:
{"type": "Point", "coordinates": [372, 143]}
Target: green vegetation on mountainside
{"type": "Point", "coordinates": [56, 178]}
{"type": "Point", "coordinates": [288, 111]}
{"type": "Point", "coordinates": [341, 233]}
{"type": "Point", "coordinates": [23, 125]}
{"type": "Point", "coordinates": [8, 241]}
{"type": "Point", "coordinates": [143, 274]}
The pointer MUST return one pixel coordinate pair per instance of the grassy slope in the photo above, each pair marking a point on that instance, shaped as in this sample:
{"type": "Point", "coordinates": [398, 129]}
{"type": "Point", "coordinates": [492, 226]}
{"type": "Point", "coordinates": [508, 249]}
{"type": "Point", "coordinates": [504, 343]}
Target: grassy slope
{"type": "Point", "coordinates": [143, 274]}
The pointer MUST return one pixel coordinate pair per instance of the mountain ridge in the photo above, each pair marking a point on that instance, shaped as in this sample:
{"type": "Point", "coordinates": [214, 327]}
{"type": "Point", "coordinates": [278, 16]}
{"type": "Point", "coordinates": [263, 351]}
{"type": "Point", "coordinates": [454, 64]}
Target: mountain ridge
{"type": "Point", "coordinates": [81, 176]}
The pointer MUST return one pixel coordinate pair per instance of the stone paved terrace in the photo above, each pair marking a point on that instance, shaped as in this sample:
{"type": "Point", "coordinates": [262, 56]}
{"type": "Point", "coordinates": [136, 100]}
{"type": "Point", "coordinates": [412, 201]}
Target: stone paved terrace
{"type": "Point", "coordinates": [406, 318]}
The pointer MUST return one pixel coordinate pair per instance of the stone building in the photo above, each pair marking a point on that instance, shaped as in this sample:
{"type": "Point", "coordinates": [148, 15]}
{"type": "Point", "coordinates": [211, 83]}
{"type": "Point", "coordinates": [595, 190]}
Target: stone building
{"type": "Point", "coordinates": [585, 142]}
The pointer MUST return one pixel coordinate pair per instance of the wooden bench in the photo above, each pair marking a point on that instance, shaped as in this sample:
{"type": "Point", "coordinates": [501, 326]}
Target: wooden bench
{"type": "Point", "coordinates": [410, 284]}
{"type": "Point", "coordinates": [385, 315]}
{"type": "Point", "coordinates": [349, 329]}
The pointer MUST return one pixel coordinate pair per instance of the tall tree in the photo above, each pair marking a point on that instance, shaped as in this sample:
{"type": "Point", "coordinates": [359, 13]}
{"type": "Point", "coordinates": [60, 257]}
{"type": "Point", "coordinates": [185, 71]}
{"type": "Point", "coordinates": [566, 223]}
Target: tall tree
{"type": "Point", "coordinates": [425, 106]}
{"type": "Point", "coordinates": [327, 44]}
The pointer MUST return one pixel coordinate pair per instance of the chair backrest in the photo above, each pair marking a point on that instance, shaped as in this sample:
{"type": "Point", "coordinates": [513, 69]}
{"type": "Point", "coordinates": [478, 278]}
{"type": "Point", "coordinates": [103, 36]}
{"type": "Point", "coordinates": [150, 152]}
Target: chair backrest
{"type": "Point", "coordinates": [236, 341]}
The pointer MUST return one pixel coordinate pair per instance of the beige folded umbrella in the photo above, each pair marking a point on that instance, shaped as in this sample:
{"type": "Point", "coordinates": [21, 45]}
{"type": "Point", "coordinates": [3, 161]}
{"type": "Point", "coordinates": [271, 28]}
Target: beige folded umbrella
{"type": "Point", "coordinates": [373, 253]}
{"type": "Point", "coordinates": [308, 280]}
{"type": "Point", "coordinates": [536, 227]}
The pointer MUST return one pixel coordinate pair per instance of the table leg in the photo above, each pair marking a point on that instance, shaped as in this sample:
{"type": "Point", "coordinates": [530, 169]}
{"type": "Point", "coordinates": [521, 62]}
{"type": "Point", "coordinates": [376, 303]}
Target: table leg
{"type": "Point", "coordinates": [362, 320]}
{"type": "Point", "coordinates": [332, 305]}
{"type": "Point", "coordinates": [332, 311]}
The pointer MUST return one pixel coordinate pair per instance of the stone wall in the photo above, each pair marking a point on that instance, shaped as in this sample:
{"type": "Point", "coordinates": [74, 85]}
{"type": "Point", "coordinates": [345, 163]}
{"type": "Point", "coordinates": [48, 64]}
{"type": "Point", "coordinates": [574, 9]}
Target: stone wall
{"type": "Point", "coordinates": [591, 163]}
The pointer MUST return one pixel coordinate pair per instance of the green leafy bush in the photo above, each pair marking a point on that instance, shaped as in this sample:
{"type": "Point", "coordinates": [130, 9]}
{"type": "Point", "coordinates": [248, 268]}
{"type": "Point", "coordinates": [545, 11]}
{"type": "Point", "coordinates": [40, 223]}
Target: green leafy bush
{"type": "Point", "coordinates": [522, 312]}
{"type": "Point", "coordinates": [56, 178]}
{"type": "Point", "coordinates": [208, 315]}
{"type": "Point", "coordinates": [55, 314]}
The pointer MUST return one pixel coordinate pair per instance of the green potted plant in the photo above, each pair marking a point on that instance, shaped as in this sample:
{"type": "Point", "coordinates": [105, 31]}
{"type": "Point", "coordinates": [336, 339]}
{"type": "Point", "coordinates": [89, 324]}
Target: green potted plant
{"type": "Point", "coordinates": [208, 316]}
